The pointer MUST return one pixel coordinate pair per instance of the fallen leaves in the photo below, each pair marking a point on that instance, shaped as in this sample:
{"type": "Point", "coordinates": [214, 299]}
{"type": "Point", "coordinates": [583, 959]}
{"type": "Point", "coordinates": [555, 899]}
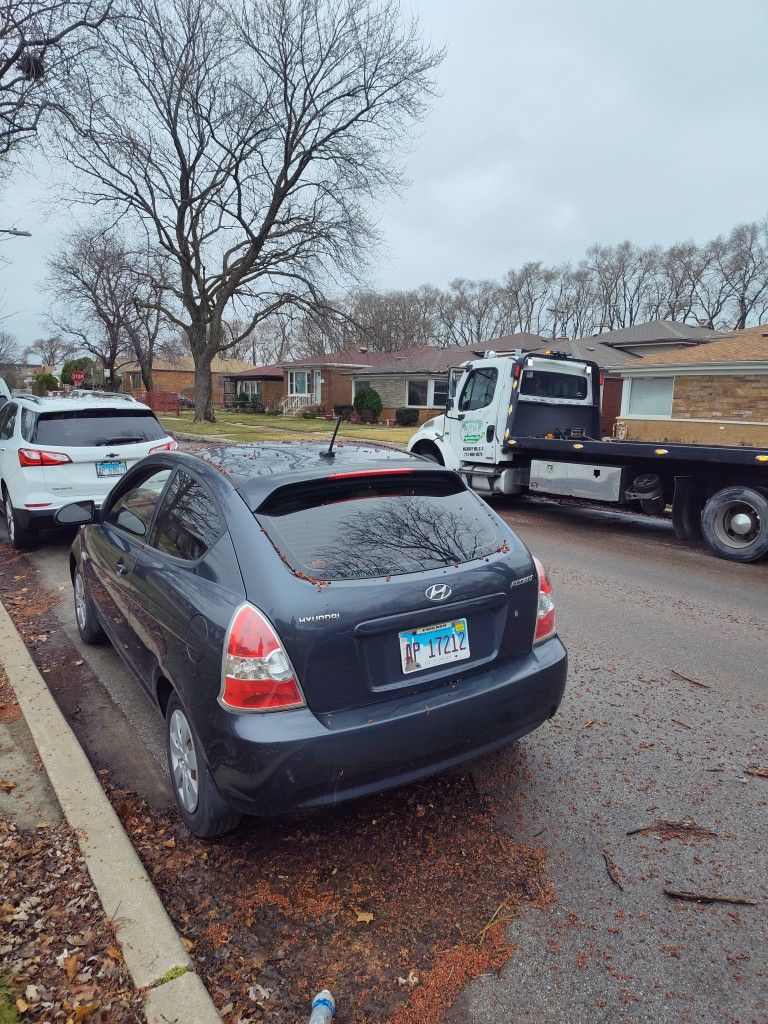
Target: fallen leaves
{"type": "Point", "coordinates": [760, 773]}
{"type": "Point", "coordinates": [57, 950]}
{"type": "Point", "coordinates": [363, 916]}
{"type": "Point", "coordinates": [699, 897]}
{"type": "Point", "coordinates": [6, 786]}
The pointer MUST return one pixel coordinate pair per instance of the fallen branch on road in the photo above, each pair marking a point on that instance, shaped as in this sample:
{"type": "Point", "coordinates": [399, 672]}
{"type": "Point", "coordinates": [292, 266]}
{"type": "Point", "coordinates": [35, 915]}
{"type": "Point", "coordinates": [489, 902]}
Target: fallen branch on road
{"type": "Point", "coordinates": [760, 773]}
{"type": "Point", "coordinates": [698, 897]}
{"type": "Point", "coordinates": [674, 830]}
{"type": "Point", "coordinates": [689, 679]}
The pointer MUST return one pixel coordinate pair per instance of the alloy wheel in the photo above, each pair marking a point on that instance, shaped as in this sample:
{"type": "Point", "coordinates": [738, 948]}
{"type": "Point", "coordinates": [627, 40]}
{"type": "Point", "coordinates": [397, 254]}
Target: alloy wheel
{"type": "Point", "coordinates": [183, 761]}
{"type": "Point", "coordinates": [81, 610]}
{"type": "Point", "coordinates": [10, 522]}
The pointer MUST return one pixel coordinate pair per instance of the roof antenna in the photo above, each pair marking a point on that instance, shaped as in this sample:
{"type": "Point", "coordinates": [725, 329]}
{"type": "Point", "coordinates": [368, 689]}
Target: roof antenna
{"type": "Point", "coordinates": [330, 454]}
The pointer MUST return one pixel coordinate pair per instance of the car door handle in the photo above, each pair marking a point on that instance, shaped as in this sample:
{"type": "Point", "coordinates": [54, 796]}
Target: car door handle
{"type": "Point", "coordinates": [121, 568]}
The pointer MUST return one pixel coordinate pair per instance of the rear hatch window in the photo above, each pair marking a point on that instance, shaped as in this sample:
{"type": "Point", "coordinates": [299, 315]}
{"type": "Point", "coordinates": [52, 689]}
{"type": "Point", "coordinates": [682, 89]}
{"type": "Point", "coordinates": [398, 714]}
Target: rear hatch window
{"type": "Point", "coordinates": [85, 428]}
{"type": "Point", "coordinates": [361, 526]}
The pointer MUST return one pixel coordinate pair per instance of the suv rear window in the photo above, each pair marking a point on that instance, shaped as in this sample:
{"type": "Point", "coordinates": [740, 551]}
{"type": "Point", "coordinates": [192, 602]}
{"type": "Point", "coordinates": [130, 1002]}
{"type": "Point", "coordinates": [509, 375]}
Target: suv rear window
{"type": "Point", "coordinates": [366, 527]}
{"type": "Point", "coordinates": [82, 428]}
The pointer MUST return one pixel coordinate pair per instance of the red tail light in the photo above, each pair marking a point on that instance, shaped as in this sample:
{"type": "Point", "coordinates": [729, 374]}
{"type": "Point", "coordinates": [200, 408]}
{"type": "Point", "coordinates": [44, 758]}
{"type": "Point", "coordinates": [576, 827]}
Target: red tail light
{"type": "Point", "coordinates": [545, 615]}
{"type": "Point", "coordinates": [169, 446]}
{"type": "Point", "coordinates": [256, 673]}
{"type": "Point", "coordinates": [33, 457]}
{"type": "Point", "coordinates": [369, 472]}
{"type": "Point", "coordinates": [600, 378]}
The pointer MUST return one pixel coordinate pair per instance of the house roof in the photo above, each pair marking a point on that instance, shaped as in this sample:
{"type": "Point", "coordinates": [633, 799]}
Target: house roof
{"type": "Point", "coordinates": [271, 372]}
{"type": "Point", "coordinates": [186, 364]}
{"type": "Point", "coordinates": [349, 358]}
{"type": "Point", "coordinates": [430, 359]}
{"type": "Point", "coordinates": [655, 332]}
{"type": "Point", "coordinates": [734, 348]}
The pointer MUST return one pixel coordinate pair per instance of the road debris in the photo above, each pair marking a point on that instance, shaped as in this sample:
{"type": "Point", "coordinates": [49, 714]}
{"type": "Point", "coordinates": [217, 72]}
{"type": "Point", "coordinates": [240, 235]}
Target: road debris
{"type": "Point", "coordinates": [690, 679]}
{"type": "Point", "coordinates": [664, 829]}
{"type": "Point", "coordinates": [613, 871]}
{"type": "Point", "coordinates": [699, 897]}
{"type": "Point", "coordinates": [760, 773]}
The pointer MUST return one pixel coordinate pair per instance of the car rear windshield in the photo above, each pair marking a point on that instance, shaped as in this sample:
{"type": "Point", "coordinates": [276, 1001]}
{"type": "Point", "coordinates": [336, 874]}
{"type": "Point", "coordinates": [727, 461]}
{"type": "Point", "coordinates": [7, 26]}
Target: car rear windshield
{"type": "Point", "coordinates": [82, 428]}
{"type": "Point", "coordinates": [369, 526]}
{"type": "Point", "coordinates": [548, 384]}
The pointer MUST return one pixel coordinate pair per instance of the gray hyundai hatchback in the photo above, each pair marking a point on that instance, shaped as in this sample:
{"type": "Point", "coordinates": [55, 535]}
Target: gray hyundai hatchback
{"type": "Point", "coordinates": [314, 628]}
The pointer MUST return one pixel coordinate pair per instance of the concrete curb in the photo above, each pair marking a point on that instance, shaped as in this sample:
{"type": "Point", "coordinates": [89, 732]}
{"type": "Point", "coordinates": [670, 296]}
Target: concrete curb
{"type": "Point", "coordinates": [152, 949]}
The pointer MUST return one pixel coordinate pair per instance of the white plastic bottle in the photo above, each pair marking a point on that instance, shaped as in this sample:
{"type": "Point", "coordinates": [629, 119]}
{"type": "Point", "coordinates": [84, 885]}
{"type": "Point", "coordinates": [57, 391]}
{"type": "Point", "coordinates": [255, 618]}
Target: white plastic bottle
{"type": "Point", "coordinates": [323, 1008]}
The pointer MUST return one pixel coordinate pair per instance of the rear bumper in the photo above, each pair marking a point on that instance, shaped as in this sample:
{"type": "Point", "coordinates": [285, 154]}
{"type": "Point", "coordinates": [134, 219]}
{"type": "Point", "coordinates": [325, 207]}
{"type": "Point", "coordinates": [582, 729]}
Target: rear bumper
{"type": "Point", "coordinates": [274, 763]}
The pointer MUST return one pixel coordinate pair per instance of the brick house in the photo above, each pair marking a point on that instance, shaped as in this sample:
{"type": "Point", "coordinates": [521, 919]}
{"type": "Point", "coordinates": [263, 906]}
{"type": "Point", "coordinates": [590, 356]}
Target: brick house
{"type": "Point", "coordinates": [262, 384]}
{"type": "Point", "coordinates": [712, 394]}
{"type": "Point", "coordinates": [325, 380]}
{"type": "Point", "coordinates": [178, 376]}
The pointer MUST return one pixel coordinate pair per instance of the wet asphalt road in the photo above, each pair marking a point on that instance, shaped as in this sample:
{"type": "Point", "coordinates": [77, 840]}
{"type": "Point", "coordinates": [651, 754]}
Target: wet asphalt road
{"type": "Point", "coordinates": [634, 743]}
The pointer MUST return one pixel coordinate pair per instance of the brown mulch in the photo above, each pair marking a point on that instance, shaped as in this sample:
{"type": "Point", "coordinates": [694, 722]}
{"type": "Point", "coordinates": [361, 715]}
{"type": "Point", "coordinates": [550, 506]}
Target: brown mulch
{"type": "Point", "coordinates": [9, 708]}
{"type": "Point", "coordinates": [58, 953]}
{"type": "Point", "coordinates": [394, 903]}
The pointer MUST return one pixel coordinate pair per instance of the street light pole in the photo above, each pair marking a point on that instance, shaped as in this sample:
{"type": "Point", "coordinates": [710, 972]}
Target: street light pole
{"type": "Point", "coordinates": [16, 232]}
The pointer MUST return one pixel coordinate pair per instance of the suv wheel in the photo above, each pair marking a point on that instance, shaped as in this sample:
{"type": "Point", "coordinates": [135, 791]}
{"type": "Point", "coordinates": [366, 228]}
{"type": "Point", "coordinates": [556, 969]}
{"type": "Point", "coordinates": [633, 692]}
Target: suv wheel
{"type": "Point", "coordinates": [20, 537]}
{"type": "Point", "coordinates": [201, 805]}
{"type": "Point", "coordinates": [88, 626]}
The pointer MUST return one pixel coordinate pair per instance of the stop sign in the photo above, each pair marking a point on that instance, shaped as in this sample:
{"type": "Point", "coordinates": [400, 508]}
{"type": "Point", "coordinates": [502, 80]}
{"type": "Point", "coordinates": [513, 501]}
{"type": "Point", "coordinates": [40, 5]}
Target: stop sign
{"type": "Point", "coordinates": [78, 376]}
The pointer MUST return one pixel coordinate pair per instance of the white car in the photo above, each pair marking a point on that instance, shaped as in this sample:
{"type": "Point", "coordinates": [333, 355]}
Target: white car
{"type": "Point", "coordinates": [54, 451]}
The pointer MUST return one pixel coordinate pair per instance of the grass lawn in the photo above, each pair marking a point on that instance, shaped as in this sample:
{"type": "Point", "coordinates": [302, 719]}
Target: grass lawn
{"type": "Point", "coordinates": [248, 427]}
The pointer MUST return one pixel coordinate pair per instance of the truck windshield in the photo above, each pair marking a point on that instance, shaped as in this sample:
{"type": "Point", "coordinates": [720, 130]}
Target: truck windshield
{"type": "Point", "coordinates": [550, 384]}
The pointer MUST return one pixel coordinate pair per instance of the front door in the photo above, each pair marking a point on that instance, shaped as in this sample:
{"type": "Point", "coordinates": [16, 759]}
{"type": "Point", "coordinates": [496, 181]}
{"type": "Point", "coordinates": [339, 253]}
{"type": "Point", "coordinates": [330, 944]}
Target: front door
{"type": "Point", "coordinates": [473, 419]}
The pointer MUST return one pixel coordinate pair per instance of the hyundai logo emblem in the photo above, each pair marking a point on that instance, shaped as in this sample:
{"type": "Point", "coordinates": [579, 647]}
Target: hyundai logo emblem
{"type": "Point", "coordinates": [438, 592]}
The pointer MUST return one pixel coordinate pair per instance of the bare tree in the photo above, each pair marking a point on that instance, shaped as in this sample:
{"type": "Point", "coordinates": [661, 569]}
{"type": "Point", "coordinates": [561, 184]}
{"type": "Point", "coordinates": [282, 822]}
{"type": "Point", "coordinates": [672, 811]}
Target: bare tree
{"type": "Point", "coordinates": [248, 143]}
{"type": "Point", "coordinates": [109, 299]}
{"type": "Point", "coordinates": [40, 41]}
{"type": "Point", "coordinates": [51, 351]}
{"type": "Point", "coordinates": [742, 264]}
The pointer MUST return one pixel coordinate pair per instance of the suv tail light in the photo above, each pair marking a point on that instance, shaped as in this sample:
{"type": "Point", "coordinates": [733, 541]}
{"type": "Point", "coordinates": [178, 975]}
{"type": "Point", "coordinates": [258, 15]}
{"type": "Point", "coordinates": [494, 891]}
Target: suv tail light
{"type": "Point", "coordinates": [34, 457]}
{"type": "Point", "coordinates": [256, 673]}
{"type": "Point", "coordinates": [545, 615]}
{"type": "Point", "coordinates": [169, 446]}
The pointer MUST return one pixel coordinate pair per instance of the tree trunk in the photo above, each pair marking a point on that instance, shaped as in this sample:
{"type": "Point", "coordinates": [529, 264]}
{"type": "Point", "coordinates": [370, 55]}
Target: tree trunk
{"type": "Point", "coordinates": [205, 342]}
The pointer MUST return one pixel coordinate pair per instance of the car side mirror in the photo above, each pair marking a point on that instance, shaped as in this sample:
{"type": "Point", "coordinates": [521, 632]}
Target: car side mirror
{"type": "Point", "coordinates": [78, 513]}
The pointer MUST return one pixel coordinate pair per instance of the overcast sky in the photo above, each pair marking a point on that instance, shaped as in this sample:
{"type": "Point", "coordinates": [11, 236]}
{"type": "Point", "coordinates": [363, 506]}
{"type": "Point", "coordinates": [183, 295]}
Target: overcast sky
{"type": "Point", "coordinates": [560, 123]}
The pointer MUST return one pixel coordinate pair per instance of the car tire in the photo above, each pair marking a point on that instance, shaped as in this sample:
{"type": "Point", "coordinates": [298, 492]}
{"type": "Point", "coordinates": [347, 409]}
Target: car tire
{"type": "Point", "coordinates": [88, 625]}
{"type": "Point", "coordinates": [19, 537]}
{"type": "Point", "coordinates": [735, 523]}
{"type": "Point", "coordinates": [201, 805]}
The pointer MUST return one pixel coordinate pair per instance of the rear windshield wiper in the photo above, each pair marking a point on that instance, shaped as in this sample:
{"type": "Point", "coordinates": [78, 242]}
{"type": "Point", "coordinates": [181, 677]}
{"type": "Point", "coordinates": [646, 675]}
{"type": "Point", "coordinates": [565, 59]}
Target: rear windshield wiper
{"type": "Point", "coordinates": [119, 440]}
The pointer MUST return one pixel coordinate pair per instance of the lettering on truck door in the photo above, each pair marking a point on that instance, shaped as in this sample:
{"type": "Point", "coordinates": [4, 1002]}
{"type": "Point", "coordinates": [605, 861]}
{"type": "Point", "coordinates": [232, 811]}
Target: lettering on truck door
{"type": "Point", "coordinates": [476, 415]}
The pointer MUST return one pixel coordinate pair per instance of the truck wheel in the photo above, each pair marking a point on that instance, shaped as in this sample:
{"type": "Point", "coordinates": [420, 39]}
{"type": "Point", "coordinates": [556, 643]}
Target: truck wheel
{"type": "Point", "coordinates": [430, 451]}
{"type": "Point", "coordinates": [735, 524]}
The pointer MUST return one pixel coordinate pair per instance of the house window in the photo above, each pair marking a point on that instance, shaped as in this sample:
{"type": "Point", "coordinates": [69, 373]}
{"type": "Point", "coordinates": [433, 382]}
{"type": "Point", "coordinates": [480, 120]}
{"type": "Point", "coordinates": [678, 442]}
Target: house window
{"type": "Point", "coordinates": [251, 388]}
{"type": "Point", "coordinates": [418, 391]}
{"type": "Point", "coordinates": [650, 396]}
{"type": "Point", "coordinates": [298, 382]}
{"type": "Point", "coordinates": [439, 392]}
{"type": "Point", "coordinates": [358, 386]}
{"type": "Point", "coordinates": [427, 392]}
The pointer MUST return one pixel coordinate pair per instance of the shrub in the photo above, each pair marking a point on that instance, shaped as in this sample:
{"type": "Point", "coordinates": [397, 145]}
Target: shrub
{"type": "Point", "coordinates": [45, 382]}
{"type": "Point", "coordinates": [242, 401]}
{"type": "Point", "coordinates": [83, 363]}
{"type": "Point", "coordinates": [406, 417]}
{"type": "Point", "coordinates": [255, 404]}
{"type": "Point", "coordinates": [368, 405]}
{"type": "Point", "coordinates": [345, 411]}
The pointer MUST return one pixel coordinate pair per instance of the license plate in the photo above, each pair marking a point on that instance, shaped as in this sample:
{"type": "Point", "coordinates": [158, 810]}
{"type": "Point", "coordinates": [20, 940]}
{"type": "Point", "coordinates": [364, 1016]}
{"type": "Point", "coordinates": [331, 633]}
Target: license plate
{"type": "Point", "coordinates": [110, 468]}
{"type": "Point", "coordinates": [431, 646]}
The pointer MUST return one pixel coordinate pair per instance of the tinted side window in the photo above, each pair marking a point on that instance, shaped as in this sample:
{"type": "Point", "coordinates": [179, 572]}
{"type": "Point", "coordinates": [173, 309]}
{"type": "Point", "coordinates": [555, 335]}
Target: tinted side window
{"type": "Point", "coordinates": [478, 390]}
{"type": "Point", "coordinates": [189, 522]}
{"type": "Point", "coordinates": [133, 511]}
{"type": "Point", "coordinates": [7, 421]}
{"type": "Point", "coordinates": [548, 384]}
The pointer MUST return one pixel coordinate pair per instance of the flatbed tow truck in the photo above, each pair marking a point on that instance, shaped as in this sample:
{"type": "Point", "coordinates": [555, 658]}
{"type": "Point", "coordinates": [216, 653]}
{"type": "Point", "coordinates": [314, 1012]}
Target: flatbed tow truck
{"type": "Point", "coordinates": [529, 423]}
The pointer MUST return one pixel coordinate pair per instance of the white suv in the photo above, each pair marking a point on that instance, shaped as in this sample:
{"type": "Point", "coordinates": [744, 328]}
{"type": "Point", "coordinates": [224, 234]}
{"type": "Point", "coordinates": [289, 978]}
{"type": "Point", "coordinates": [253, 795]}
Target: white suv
{"type": "Point", "coordinates": [57, 450]}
